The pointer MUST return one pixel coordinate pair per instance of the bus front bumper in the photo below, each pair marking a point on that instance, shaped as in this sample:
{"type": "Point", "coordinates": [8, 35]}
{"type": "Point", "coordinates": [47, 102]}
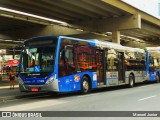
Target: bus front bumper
{"type": "Point", "coordinates": [38, 88]}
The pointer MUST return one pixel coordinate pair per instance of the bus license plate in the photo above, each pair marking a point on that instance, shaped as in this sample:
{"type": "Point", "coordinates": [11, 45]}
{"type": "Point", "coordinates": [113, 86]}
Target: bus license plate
{"type": "Point", "coordinates": [34, 89]}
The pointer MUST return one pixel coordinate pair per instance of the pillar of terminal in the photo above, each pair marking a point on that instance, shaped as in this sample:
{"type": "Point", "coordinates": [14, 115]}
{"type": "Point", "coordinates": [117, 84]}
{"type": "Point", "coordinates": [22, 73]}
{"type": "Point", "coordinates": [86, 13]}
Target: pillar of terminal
{"type": "Point", "coordinates": [116, 37]}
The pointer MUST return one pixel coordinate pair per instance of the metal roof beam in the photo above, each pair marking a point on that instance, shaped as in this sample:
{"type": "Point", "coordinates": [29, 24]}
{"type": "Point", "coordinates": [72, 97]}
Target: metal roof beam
{"type": "Point", "coordinates": [4, 45]}
{"type": "Point", "coordinates": [41, 6]}
{"type": "Point", "coordinates": [150, 28]}
{"type": "Point", "coordinates": [86, 7]}
{"type": "Point", "coordinates": [132, 10]}
{"type": "Point", "coordinates": [23, 18]}
{"type": "Point", "coordinates": [111, 24]}
{"type": "Point", "coordinates": [104, 7]}
{"type": "Point", "coordinates": [70, 8]}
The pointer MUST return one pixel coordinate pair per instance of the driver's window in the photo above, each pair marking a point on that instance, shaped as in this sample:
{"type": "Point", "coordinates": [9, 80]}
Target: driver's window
{"type": "Point", "coordinates": [66, 64]}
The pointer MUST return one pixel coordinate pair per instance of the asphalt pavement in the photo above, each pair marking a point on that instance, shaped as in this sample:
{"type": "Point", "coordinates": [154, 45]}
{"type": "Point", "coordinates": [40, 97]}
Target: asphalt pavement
{"type": "Point", "coordinates": [10, 94]}
{"type": "Point", "coordinates": [143, 97]}
{"type": "Point", "coordinates": [5, 91]}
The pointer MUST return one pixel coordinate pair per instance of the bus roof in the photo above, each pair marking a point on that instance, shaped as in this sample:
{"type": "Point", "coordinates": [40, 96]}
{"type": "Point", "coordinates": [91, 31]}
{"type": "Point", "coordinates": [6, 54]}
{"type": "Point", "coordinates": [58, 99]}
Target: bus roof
{"type": "Point", "coordinates": [93, 42]}
{"type": "Point", "coordinates": [139, 50]}
{"type": "Point", "coordinates": [39, 37]}
{"type": "Point", "coordinates": [154, 51]}
{"type": "Point", "coordinates": [153, 48]}
{"type": "Point", "coordinates": [110, 45]}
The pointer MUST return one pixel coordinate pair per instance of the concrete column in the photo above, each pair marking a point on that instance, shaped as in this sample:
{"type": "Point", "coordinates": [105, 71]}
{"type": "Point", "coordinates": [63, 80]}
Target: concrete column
{"type": "Point", "coordinates": [116, 37]}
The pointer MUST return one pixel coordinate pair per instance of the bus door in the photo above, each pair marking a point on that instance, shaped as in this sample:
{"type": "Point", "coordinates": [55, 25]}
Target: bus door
{"type": "Point", "coordinates": [121, 67]}
{"type": "Point", "coordinates": [101, 64]}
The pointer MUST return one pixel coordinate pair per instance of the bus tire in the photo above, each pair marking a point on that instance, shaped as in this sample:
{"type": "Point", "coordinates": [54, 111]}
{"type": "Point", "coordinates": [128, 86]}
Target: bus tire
{"type": "Point", "coordinates": [131, 81]}
{"type": "Point", "coordinates": [85, 85]}
{"type": "Point", "coordinates": [157, 78]}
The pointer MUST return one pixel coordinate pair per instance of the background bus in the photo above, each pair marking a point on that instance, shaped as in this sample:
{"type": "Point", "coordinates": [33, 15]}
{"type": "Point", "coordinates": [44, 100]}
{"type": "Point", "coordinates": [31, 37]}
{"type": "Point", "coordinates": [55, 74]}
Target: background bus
{"type": "Point", "coordinates": [65, 64]}
{"type": "Point", "coordinates": [153, 63]}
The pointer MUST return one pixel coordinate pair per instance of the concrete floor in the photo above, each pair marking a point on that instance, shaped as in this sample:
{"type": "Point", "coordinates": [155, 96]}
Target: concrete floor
{"type": "Point", "coordinates": [144, 97]}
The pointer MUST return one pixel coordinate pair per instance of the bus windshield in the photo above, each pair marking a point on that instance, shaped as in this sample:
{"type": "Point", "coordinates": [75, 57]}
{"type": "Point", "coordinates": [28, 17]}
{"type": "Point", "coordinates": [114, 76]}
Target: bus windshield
{"type": "Point", "coordinates": [38, 59]}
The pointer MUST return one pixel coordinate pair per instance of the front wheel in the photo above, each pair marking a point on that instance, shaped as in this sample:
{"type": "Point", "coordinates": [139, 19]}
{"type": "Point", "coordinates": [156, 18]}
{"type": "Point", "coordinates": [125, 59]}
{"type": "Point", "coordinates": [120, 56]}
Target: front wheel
{"type": "Point", "coordinates": [157, 78]}
{"type": "Point", "coordinates": [85, 85]}
{"type": "Point", "coordinates": [131, 81]}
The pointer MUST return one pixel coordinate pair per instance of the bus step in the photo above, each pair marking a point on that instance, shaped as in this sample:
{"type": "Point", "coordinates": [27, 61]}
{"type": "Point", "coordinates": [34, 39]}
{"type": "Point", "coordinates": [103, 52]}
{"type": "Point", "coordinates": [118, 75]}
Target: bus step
{"type": "Point", "coordinates": [121, 81]}
{"type": "Point", "coordinates": [101, 83]}
{"type": "Point", "coordinates": [102, 86]}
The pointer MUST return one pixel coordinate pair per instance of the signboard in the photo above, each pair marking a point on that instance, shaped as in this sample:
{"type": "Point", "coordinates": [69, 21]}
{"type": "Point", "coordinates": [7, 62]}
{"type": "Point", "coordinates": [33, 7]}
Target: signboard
{"type": "Point", "coordinates": [2, 51]}
{"type": "Point", "coordinates": [17, 57]}
{"type": "Point", "coordinates": [4, 58]}
{"type": "Point", "coordinates": [13, 63]}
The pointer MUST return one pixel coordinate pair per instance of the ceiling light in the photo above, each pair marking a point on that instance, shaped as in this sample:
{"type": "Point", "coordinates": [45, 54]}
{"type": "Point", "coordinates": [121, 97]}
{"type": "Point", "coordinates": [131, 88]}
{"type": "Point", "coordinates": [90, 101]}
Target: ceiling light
{"type": "Point", "coordinates": [108, 32]}
{"type": "Point", "coordinates": [32, 15]}
{"type": "Point", "coordinates": [8, 40]}
{"type": "Point", "coordinates": [79, 29]}
{"type": "Point", "coordinates": [18, 41]}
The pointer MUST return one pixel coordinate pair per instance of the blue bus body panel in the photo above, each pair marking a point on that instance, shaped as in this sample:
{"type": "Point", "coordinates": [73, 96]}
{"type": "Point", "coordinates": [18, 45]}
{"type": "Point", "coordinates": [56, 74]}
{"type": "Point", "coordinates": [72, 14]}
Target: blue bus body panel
{"type": "Point", "coordinates": [35, 81]}
{"type": "Point", "coordinates": [152, 76]}
{"type": "Point", "coordinates": [73, 82]}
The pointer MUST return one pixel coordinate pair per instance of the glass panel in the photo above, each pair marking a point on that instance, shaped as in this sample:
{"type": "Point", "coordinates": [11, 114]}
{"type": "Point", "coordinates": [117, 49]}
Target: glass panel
{"type": "Point", "coordinates": [85, 57]}
{"type": "Point", "coordinates": [112, 60]}
{"type": "Point", "coordinates": [134, 60]}
{"type": "Point", "coordinates": [99, 64]}
{"type": "Point", "coordinates": [66, 64]}
{"type": "Point", "coordinates": [75, 56]}
{"type": "Point", "coordinates": [40, 59]}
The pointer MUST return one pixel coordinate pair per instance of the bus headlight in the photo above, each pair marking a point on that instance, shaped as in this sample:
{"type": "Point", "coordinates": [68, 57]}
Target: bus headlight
{"type": "Point", "coordinates": [50, 80]}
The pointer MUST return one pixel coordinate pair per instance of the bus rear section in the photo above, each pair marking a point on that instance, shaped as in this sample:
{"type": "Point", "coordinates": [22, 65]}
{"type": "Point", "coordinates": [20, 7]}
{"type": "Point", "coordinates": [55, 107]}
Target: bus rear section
{"type": "Point", "coordinates": [153, 64]}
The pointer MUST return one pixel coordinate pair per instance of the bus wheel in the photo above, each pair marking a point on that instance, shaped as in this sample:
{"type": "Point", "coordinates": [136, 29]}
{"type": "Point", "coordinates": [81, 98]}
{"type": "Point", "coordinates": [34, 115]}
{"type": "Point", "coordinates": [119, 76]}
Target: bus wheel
{"type": "Point", "coordinates": [131, 81]}
{"type": "Point", "coordinates": [85, 85]}
{"type": "Point", "coordinates": [157, 78]}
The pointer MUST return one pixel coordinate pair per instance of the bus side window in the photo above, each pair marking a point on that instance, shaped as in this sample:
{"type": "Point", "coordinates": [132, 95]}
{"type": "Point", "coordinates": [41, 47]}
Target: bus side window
{"type": "Point", "coordinates": [61, 67]}
{"type": "Point", "coordinates": [66, 61]}
{"type": "Point", "coordinates": [112, 60]}
{"type": "Point", "coordinates": [69, 60]}
{"type": "Point", "coordinates": [69, 55]}
{"type": "Point", "coordinates": [85, 57]}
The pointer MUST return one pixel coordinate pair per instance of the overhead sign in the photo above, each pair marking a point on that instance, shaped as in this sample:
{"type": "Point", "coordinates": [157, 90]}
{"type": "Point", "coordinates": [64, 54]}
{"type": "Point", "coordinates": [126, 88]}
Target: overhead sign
{"type": "Point", "coordinates": [17, 57]}
{"type": "Point", "coordinates": [2, 51]}
{"type": "Point", "coordinates": [13, 63]}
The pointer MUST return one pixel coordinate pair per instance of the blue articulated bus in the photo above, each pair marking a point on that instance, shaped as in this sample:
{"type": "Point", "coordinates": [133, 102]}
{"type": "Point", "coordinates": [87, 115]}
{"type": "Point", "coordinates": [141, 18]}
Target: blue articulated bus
{"type": "Point", "coordinates": [153, 64]}
{"type": "Point", "coordinates": [66, 64]}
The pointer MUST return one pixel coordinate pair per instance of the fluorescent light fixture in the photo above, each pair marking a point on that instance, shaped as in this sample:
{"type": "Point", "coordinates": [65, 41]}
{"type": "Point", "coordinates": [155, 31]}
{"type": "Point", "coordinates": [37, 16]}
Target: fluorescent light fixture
{"type": "Point", "coordinates": [14, 50]}
{"type": "Point", "coordinates": [31, 15]}
{"type": "Point", "coordinates": [8, 40]}
{"type": "Point", "coordinates": [79, 29]}
{"type": "Point", "coordinates": [109, 32]}
{"type": "Point", "coordinates": [104, 35]}
{"type": "Point", "coordinates": [133, 38]}
{"type": "Point", "coordinates": [18, 41]}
